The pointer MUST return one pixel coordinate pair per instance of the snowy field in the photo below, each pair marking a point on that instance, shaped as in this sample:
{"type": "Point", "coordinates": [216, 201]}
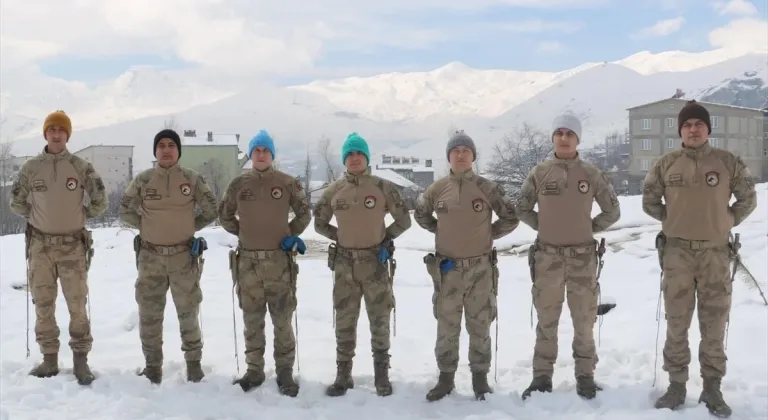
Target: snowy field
{"type": "Point", "coordinates": [627, 346]}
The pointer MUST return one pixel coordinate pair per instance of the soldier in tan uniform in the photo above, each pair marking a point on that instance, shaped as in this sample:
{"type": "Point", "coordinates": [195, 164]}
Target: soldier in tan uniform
{"type": "Point", "coordinates": [565, 253]}
{"type": "Point", "coordinates": [360, 258]}
{"type": "Point", "coordinates": [696, 183]}
{"type": "Point", "coordinates": [464, 266]}
{"type": "Point", "coordinates": [49, 192]}
{"type": "Point", "coordinates": [256, 208]}
{"type": "Point", "coordinates": [160, 203]}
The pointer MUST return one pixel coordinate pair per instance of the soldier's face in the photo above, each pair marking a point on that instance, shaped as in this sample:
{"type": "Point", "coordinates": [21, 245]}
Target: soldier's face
{"type": "Point", "coordinates": [694, 132]}
{"type": "Point", "coordinates": [461, 159]}
{"type": "Point", "coordinates": [167, 153]}
{"type": "Point", "coordinates": [56, 137]}
{"type": "Point", "coordinates": [355, 163]}
{"type": "Point", "coordinates": [565, 141]}
{"type": "Point", "coordinates": [261, 158]}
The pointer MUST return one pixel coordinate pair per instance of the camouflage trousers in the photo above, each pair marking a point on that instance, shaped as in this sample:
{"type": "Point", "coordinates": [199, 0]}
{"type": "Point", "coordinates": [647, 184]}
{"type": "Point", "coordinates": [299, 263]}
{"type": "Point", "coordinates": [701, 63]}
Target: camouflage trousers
{"type": "Point", "coordinates": [469, 287]}
{"type": "Point", "coordinates": [161, 268]}
{"type": "Point", "coordinates": [560, 273]}
{"type": "Point", "coordinates": [695, 277]}
{"type": "Point", "coordinates": [63, 258]}
{"type": "Point", "coordinates": [266, 280]}
{"type": "Point", "coordinates": [358, 274]}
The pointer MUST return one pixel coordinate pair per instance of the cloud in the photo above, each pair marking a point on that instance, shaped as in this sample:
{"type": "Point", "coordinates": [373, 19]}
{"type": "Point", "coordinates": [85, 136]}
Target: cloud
{"type": "Point", "coordinates": [660, 28]}
{"type": "Point", "coordinates": [735, 7]}
{"type": "Point", "coordinates": [277, 37]}
{"type": "Point", "coordinates": [550, 47]}
{"type": "Point", "coordinates": [743, 35]}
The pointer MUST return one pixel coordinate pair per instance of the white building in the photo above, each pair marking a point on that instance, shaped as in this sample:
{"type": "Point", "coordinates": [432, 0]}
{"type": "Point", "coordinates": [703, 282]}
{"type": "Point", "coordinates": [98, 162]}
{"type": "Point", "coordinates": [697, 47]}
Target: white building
{"type": "Point", "coordinates": [113, 163]}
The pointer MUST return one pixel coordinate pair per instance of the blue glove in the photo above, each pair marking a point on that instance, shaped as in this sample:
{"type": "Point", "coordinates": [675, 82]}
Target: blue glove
{"type": "Point", "coordinates": [447, 265]}
{"type": "Point", "coordinates": [198, 246]}
{"type": "Point", "coordinates": [289, 241]}
{"type": "Point", "coordinates": [383, 254]}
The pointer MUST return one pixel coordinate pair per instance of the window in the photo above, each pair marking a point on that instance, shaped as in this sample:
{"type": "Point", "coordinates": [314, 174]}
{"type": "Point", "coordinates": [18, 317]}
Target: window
{"type": "Point", "coordinates": [717, 142]}
{"type": "Point", "coordinates": [645, 164]}
{"type": "Point", "coordinates": [670, 143]}
{"type": "Point", "coordinates": [765, 153]}
{"type": "Point", "coordinates": [670, 123]}
{"type": "Point", "coordinates": [646, 123]}
{"type": "Point", "coordinates": [645, 144]}
{"type": "Point", "coordinates": [715, 121]}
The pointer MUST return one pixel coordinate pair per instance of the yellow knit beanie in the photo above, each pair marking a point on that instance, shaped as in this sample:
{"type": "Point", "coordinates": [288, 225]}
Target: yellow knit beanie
{"type": "Point", "coordinates": [60, 119]}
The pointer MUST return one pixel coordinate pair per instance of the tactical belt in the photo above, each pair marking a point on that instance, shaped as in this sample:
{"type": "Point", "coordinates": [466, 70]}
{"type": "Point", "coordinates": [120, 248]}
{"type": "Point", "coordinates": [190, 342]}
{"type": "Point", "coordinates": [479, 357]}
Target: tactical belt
{"type": "Point", "coordinates": [359, 253]}
{"type": "Point", "coordinates": [55, 239]}
{"type": "Point", "coordinates": [694, 245]}
{"type": "Point", "coordinates": [259, 254]}
{"type": "Point", "coordinates": [566, 250]}
{"type": "Point", "coordinates": [465, 262]}
{"type": "Point", "coordinates": [167, 250]}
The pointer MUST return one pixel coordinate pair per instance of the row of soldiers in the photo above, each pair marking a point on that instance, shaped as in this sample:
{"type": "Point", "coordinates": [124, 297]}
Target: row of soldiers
{"type": "Point", "coordinates": [696, 183]}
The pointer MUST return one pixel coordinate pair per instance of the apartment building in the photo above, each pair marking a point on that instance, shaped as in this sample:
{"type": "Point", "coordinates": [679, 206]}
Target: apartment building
{"type": "Point", "coordinates": [410, 168]}
{"type": "Point", "coordinates": [113, 163]}
{"type": "Point", "coordinates": [653, 132]}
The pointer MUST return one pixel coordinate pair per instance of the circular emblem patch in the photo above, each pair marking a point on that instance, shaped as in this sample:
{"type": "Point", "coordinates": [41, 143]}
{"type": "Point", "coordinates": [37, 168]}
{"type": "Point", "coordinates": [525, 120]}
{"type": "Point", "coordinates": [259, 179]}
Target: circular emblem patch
{"type": "Point", "coordinates": [713, 178]}
{"type": "Point", "coordinates": [277, 193]}
{"type": "Point", "coordinates": [478, 205]}
{"type": "Point", "coordinates": [185, 189]}
{"type": "Point", "coordinates": [583, 187]}
{"type": "Point", "coordinates": [71, 184]}
{"type": "Point", "coordinates": [370, 202]}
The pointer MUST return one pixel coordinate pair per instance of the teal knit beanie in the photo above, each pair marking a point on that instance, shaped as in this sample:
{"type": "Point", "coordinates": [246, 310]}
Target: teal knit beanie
{"type": "Point", "coordinates": [354, 143]}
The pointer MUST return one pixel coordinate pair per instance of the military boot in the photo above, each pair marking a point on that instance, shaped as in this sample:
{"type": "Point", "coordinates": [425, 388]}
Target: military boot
{"type": "Point", "coordinates": [538, 384]}
{"type": "Point", "coordinates": [285, 382]}
{"type": "Point", "coordinates": [252, 379]}
{"type": "Point", "coordinates": [586, 387]}
{"type": "Point", "coordinates": [48, 367]}
{"type": "Point", "coordinates": [194, 371]}
{"type": "Point", "coordinates": [153, 373]}
{"type": "Point", "coordinates": [81, 369]}
{"type": "Point", "coordinates": [674, 397]}
{"type": "Point", "coordinates": [445, 385]}
{"type": "Point", "coordinates": [381, 379]}
{"type": "Point", "coordinates": [343, 380]}
{"type": "Point", "coordinates": [712, 397]}
{"type": "Point", "coordinates": [480, 385]}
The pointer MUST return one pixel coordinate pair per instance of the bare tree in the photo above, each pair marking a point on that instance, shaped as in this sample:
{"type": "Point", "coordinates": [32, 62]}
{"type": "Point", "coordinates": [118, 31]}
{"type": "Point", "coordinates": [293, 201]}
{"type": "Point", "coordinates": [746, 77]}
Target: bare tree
{"type": "Point", "coordinates": [216, 176]}
{"type": "Point", "coordinates": [9, 222]}
{"type": "Point", "coordinates": [332, 169]}
{"type": "Point", "coordinates": [516, 154]}
{"type": "Point", "coordinates": [112, 214]}
{"type": "Point", "coordinates": [171, 124]}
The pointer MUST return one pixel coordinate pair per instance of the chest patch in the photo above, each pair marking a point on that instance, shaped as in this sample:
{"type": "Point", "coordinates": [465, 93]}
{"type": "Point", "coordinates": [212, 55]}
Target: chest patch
{"type": "Point", "coordinates": [478, 205]}
{"type": "Point", "coordinates": [151, 194]}
{"type": "Point", "coordinates": [72, 184]}
{"type": "Point", "coordinates": [185, 189]}
{"type": "Point", "coordinates": [276, 193]}
{"type": "Point", "coordinates": [550, 188]}
{"type": "Point", "coordinates": [246, 194]}
{"type": "Point", "coordinates": [370, 202]}
{"type": "Point", "coordinates": [341, 204]}
{"type": "Point", "coordinates": [38, 185]}
{"type": "Point", "coordinates": [440, 207]}
{"type": "Point", "coordinates": [713, 178]}
{"type": "Point", "coordinates": [675, 180]}
{"type": "Point", "coordinates": [583, 186]}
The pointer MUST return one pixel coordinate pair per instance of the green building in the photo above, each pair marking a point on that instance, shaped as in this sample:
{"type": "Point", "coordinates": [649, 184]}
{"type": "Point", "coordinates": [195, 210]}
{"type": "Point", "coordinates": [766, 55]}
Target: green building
{"type": "Point", "coordinates": [215, 156]}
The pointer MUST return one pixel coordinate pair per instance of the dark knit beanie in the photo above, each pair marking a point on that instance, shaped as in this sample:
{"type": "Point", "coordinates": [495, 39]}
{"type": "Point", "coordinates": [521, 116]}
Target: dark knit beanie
{"type": "Point", "coordinates": [692, 109]}
{"type": "Point", "coordinates": [460, 139]}
{"type": "Point", "coordinates": [167, 134]}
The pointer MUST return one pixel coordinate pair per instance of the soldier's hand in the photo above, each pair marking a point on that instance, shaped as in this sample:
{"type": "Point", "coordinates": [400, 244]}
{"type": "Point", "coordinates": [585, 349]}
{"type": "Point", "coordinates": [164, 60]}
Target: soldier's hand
{"type": "Point", "coordinates": [447, 265]}
{"type": "Point", "coordinates": [383, 254]}
{"type": "Point", "coordinates": [289, 242]}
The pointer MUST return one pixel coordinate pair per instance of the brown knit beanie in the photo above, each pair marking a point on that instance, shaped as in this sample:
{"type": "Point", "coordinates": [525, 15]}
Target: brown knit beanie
{"type": "Point", "coordinates": [60, 119]}
{"type": "Point", "coordinates": [693, 109]}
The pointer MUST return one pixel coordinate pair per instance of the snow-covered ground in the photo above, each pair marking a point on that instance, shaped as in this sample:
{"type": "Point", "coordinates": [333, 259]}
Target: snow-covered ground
{"type": "Point", "coordinates": [627, 347]}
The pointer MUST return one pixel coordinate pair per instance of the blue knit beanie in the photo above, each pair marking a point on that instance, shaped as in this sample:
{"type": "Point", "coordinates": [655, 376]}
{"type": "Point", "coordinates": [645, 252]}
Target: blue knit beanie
{"type": "Point", "coordinates": [262, 139]}
{"type": "Point", "coordinates": [354, 143]}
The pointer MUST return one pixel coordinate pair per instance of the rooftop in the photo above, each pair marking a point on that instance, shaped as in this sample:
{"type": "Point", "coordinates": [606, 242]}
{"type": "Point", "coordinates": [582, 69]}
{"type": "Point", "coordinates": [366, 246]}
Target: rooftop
{"type": "Point", "coordinates": [190, 138]}
{"type": "Point", "coordinates": [681, 100]}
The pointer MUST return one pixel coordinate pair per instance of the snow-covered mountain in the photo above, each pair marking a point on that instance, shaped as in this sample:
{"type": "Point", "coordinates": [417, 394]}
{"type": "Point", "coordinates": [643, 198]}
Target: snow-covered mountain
{"type": "Point", "coordinates": [748, 90]}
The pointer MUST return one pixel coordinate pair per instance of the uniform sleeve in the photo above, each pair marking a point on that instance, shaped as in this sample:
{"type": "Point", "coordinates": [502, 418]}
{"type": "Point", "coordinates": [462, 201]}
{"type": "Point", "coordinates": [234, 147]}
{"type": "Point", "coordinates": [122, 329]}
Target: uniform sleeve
{"type": "Point", "coordinates": [129, 204]}
{"type": "Point", "coordinates": [300, 206]}
{"type": "Point", "coordinates": [324, 213]}
{"type": "Point", "coordinates": [424, 211]}
{"type": "Point", "coordinates": [206, 201]}
{"type": "Point", "coordinates": [20, 193]}
{"type": "Point", "coordinates": [653, 192]}
{"type": "Point", "coordinates": [97, 193]}
{"type": "Point", "coordinates": [527, 201]}
{"type": "Point", "coordinates": [398, 211]}
{"type": "Point", "coordinates": [606, 199]}
{"type": "Point", "coordinates": [505, 210]}
{"type": "Point", "coordinates": [743, 188]}
{"type": "Point", "coordinates": [228, 208]}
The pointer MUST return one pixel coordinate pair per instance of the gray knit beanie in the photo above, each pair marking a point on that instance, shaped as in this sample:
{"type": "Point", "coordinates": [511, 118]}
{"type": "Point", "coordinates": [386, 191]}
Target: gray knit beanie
{"type": "Point", "coordinates": [460, 139]}
{"type": "Point", "coordinates": [568, 121]}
